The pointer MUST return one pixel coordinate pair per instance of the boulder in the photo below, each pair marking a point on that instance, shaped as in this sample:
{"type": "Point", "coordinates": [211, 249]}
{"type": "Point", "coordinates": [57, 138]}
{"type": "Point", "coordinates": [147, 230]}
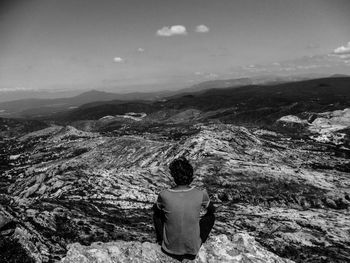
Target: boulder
{"type": "Point", "coordinates": [292, 124]}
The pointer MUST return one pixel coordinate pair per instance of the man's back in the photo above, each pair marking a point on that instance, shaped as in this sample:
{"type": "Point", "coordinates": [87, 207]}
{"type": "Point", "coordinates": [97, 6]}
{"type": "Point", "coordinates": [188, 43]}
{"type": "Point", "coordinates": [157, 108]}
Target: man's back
{"type": "Point", "coordinates": [181, 233]}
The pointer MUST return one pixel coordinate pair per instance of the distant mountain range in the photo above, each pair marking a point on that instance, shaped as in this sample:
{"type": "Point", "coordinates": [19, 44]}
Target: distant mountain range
{"type": "Point", "coordinates": [259, 80]}
{"type": "Point", "coordinates": [252, 103]}
{"type": "Point", "coordinates": [36, 107]}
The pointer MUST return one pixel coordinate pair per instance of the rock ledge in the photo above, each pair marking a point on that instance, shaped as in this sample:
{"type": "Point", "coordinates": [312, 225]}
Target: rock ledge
{"type": "Point", "coordinates": [242, 248]}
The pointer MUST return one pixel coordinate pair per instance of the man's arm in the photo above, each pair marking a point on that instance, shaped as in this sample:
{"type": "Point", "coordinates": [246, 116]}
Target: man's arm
{"type": "Point", "coordinates": [211, 208]}
{"type": "Point", "coordinates": [208, 205]}
{"type": "Point", "coordinates": [158, 219]}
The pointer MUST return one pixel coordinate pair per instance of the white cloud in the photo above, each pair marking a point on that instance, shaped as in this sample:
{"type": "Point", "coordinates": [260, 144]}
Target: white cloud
{"type": "Point", "coordinates": [309, 66]}
{"type": "Point", "coordinates": [140, 49]}
{"type": "Point", "coordinates": [202, 29]}
{"type": "Point", "coordinates": [118, 60]}
{"type": "Point", "coordinates": [342, 50]}
{"type": "Point", "coordinates": [20, 88]}
{"type": "Point", "coordinates": [172, 31]}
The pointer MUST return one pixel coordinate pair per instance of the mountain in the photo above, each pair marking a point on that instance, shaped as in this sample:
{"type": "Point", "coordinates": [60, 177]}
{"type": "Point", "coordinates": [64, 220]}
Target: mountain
{"type": "Point", "coordinates": [22, 94]}
{"type": "Point", "coordinates": [256, 80]}
{"type": "Point", "coordinates": [41, 106]}
{"type": "Point", "coordinates": [266, 103]}
{"type": "Point", "coordinates": [98, 110]}
{"type": "Point", "coordinates": [38, 107]}
{"type": "Point", "coordinates": [216, 84]}
{"type": "Point", "coordinates": [262, 104]}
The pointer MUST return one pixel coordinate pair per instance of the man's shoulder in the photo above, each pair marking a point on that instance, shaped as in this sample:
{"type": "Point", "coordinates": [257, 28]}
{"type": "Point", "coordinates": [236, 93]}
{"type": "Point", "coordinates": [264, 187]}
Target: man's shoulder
{"type": "Point", "coordinates": [200, 189]}
{"type": "Point", "coordinates": [192, 189]}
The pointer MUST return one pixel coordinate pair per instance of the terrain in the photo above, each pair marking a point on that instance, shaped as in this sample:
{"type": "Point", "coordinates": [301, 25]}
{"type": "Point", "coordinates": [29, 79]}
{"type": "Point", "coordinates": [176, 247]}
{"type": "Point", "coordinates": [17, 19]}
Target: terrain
{"type": "Point", "coordinates": [37, 106]}
{"type": "Point", "coordinates": [93, 176]}
{"type": "Point", "coordinates": [252, 104]}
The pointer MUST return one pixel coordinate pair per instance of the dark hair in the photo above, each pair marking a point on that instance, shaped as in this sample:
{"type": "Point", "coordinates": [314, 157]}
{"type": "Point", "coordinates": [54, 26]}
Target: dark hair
{"type": "Point", "coordinates": [182, 171]}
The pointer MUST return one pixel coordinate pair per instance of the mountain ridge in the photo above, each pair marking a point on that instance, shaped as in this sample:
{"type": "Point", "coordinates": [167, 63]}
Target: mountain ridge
{"type": "Point", "coordinates": [37, 106]}
{"type": "Point", "coordinates": [265, 103]}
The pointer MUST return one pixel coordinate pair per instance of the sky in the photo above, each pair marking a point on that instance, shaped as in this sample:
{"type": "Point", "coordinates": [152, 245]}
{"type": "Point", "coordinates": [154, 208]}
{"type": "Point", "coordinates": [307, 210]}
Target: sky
{"type": "Point", "coordinates": [144, 45]}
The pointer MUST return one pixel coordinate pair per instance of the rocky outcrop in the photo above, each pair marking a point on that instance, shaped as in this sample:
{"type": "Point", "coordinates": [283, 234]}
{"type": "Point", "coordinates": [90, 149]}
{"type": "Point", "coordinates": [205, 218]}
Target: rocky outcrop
{"type": "Point", "coordinates": [332, 127]}
{"type": "Point", "coordinates": [294, 125]}
{"type": "Point", "coordinates": [327, 127]}
{"type": "Point", "coordinates": [241, 249]}
{"type": "Point", "coordinates": [15, 244]}
{"type": "Point", "coordinates": [73, 186]}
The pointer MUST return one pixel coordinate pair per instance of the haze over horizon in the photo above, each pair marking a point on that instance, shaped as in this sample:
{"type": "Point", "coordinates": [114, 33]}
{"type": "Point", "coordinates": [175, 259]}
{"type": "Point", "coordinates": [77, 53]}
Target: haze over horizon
{"type": "Point", "coordinates": [147, 45]}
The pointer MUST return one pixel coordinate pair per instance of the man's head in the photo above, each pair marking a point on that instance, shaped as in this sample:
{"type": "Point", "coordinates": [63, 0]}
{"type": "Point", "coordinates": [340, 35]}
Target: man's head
{"type": "Point", "coordinates": [182, 171]}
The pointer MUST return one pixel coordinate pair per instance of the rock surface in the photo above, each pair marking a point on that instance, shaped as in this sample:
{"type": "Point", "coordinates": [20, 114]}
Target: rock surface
{"type": "Point", "coordinates": [326, 127]}
{"type": "Point", "coordinates": [242, 249]}
{"type": "Point", "coordinates": [66, 185]}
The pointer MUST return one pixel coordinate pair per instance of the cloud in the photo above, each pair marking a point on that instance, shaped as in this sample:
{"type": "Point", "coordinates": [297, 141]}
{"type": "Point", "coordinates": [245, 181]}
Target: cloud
{"type": "Point", "coordinates": [343, 50]}
{"type": "Point", "coordinates": [202, 29]}
{"type": "Point", "coordinates": [118, 60]}
{"type": "Point", "coordinates": [13, 89]}
{"type": "Point", "coordinates": [140, 49]}
{"type": "Point", "coordinates": [172, 31]}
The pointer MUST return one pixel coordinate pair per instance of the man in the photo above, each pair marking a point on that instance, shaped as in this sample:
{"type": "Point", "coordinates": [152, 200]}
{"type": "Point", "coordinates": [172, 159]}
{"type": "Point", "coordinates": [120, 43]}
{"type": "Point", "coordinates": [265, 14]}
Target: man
{"type": "Point", "coordinates": [179, 227]}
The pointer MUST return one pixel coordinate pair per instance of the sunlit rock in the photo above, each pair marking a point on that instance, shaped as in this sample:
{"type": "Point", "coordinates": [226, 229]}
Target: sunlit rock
{"type": "Point", "coordinates": [241, 249]}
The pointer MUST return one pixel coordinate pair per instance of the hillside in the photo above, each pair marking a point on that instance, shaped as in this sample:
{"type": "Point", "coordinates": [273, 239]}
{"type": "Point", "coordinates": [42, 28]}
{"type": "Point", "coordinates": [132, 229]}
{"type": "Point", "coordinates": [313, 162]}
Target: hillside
{"type": "Point", "coordinates": [241, 82]}
{"type": "Point", "coordinates": [248, 104]}
{"type": "Point", "coordinates": [38, 107]}
{"type": "Point", "coordinates": [66, 185]}
{"type": "Point", "coordinates": [267, 103]}
{"type": "Point", "coordinates": [42, 107]}
{"type": "Point", "coordinates": [15, 127]}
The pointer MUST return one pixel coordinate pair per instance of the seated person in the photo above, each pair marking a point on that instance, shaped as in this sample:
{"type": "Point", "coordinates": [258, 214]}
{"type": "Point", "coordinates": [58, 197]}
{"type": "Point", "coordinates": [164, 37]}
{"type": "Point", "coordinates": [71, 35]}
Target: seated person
{"type": "Point", "coordinates": [179, 227]}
